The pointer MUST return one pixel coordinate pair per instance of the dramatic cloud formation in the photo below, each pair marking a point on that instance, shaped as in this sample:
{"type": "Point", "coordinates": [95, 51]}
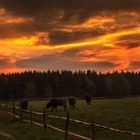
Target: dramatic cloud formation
{"type": "Point", "coordinates": [76, 34]}
{"type": "Point", "coordinates": [58, 62]}
{"type": "Point", "coordinates": [80, 9]}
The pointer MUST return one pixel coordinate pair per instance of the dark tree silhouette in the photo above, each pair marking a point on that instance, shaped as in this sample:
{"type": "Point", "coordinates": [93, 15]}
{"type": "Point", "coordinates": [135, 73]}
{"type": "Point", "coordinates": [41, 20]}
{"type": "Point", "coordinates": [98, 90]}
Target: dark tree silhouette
{"type": "Point", "coordinates": [35, 84]}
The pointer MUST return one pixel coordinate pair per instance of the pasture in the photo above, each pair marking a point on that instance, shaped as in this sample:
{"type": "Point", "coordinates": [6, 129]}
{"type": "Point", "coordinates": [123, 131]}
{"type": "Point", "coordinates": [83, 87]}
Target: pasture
{"type": "Point", "coordinates": [123, 114]}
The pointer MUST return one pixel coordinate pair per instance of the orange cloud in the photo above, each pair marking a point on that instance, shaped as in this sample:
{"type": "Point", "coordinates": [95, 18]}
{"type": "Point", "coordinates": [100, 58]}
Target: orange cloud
{"type": "Point", "coordinates": [24, 48]}
{"type": "Point", "coordinates": [99, 42]}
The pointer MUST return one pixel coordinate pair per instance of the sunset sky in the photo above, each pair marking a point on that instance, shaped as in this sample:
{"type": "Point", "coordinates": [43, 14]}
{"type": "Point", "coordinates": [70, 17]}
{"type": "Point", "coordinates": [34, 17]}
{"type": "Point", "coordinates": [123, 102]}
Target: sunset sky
{"type": "Point", "coordinates": [103, 35]}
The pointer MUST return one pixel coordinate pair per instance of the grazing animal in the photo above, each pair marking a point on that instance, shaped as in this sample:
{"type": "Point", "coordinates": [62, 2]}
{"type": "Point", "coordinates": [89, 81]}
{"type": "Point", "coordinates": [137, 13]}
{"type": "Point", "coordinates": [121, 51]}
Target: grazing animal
{"type": "Point", "coordinates": [54, 103]}
{"type": "Point", "coordinates": [72, 102]}
{"type": "Point", "coordinates": [88, 99]}
{"type": "Point", "coordinates": [24, 105]}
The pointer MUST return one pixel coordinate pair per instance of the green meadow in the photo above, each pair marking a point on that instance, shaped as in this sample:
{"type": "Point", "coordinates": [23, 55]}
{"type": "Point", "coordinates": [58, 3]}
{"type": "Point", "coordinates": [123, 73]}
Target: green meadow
{"type": "Point", "coordinates": [123, 114]}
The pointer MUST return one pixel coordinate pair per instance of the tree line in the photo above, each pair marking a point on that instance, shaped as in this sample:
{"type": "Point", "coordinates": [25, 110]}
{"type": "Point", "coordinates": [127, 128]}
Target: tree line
{"type": "Point", "coordinates": [35, 84]}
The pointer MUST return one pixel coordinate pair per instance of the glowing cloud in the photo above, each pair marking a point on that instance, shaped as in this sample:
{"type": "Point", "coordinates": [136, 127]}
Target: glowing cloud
{"type": "Point", "coordinates": [100, 35]}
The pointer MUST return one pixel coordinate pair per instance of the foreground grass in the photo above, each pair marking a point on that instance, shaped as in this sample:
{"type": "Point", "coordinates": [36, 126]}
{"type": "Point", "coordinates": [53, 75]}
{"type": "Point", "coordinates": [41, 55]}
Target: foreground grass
{"type": "Point", "coordinates": [22, 131]}
{"type": "Point", "coordinates": [118, 113]}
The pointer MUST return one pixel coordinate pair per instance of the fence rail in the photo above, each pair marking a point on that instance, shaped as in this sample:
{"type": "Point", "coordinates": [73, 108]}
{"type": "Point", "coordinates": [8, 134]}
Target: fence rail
{"type": "Point", "coordinates": [51, 127]}
{"type": "Point", "coordinates": [86, 123]}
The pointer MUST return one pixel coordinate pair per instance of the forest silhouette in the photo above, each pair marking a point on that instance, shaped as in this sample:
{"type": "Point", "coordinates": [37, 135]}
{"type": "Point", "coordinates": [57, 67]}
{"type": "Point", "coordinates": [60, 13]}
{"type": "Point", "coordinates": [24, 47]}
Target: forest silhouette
{"type": "Point", "coordinates": [35, 84]}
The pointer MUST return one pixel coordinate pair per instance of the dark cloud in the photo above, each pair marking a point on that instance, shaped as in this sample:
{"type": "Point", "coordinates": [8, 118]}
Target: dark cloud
{"type": "Point", "coordinates": [4, 62]}
{"type": "Point", "coordinates": [67, 9]}
{"type": "Point", "coordinates": [129, 44]}
{"type": "Point", "coordinates": [80, 52]}
{"type": "Point", "coordinates": [15, 30]}
{"type": "Point", "coordinates": [134, 65]}
{"type": "Point", "coordinates": [133, 45]}
{"type": "Point", "coordinates": [51, 15]}
{"type": "Point", "coordinates": [62, 37]}
{"type": "Point", "coordinates": [48, 15]}
{"type": "Point", "coordinates": [71, 52]}
{"type": "Point", "coordinates": [128, 41]}
{"type": "Point", "coordinates": [129, 37]}
{"type": "Point", "coordinates": [58, 61]}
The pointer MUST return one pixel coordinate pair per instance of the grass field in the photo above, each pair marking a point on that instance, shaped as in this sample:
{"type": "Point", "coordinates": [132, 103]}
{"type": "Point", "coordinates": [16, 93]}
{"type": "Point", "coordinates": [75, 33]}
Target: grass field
{"type": "Point", "coordinates": [122, 114]}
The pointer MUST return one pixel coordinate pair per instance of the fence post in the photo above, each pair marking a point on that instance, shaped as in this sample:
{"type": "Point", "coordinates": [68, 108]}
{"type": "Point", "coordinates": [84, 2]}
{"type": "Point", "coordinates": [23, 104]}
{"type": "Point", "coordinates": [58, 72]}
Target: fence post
{"type": "Point", "coordinates": [21, 115]}
{"type": "Point", "coordinates": [14, 111]}
{"type": "Point", "coordinates": [30, 115]}
{"type": "Point", "coordinates": [67, 125]}
{"type": "Point", "coordinates": [93, 132]}
{"type": "Point", "coordinates": [44, 119]}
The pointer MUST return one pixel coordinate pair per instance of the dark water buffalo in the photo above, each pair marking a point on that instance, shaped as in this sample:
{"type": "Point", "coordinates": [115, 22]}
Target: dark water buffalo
{"type": "Point", "coordinates": [24, 105]}
{"type": "Point", "coordinates": [88, 99]}
{"type": "Point", "coordinates": [54, 103]}
{"type": "Point", "coordinates": [72, 102]}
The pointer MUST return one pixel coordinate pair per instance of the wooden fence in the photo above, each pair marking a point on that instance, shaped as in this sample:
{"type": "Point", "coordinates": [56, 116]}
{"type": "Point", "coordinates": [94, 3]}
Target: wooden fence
{"type": "Point", "coordinates": [45, 124]}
